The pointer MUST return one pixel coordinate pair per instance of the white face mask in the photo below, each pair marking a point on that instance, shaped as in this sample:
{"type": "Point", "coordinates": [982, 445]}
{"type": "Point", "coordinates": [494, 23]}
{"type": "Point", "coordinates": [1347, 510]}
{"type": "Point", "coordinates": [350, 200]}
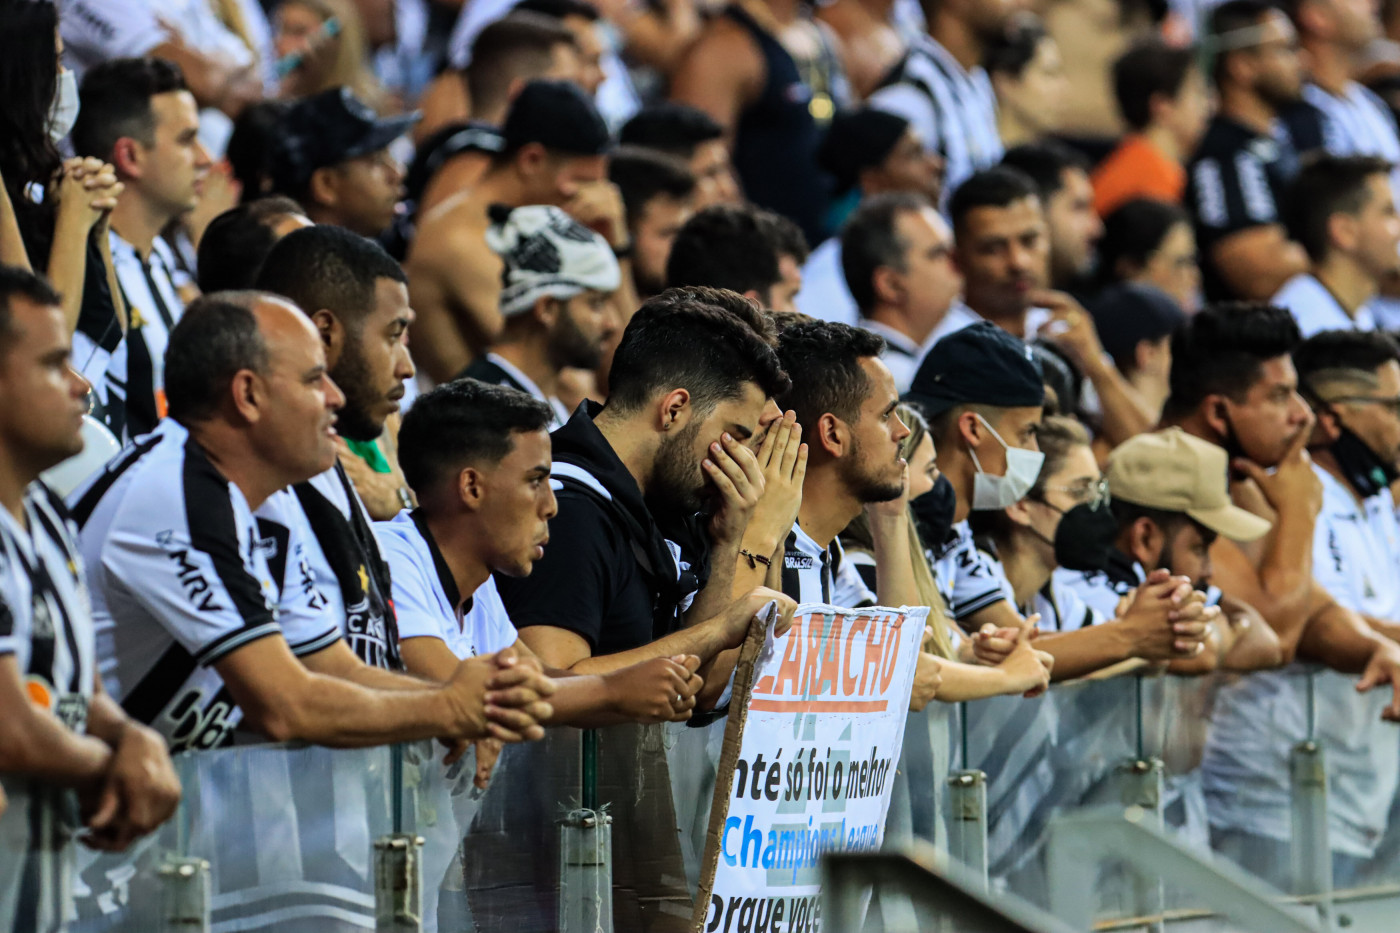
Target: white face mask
{"type": "Point", "coordinates": [997, 492]}
{"type": "Point", "coordinates": [64, 112]}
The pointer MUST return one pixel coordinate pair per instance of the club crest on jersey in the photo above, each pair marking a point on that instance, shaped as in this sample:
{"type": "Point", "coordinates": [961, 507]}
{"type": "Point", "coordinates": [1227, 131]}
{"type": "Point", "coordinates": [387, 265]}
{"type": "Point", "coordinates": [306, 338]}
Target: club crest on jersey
{"type": "Point", "coordinates": [197, 588]}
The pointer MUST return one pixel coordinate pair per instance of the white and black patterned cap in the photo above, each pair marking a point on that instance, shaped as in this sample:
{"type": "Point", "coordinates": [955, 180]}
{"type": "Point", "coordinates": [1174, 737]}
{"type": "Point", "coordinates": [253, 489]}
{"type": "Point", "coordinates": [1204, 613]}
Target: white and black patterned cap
{"type": "Point", "coordinates": [548, 254]}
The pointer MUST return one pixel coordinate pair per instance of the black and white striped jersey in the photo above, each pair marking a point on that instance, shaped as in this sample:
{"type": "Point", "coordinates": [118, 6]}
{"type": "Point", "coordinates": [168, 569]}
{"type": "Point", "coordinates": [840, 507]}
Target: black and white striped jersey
{"type": "Point", "coordinates": [814, 574]}
{"type": "Point", "coordinates": [46, 626]}
{"type": "Point", "coordinates": [345, 560]}
{"type": "Point", "coordinates": [181, 576]}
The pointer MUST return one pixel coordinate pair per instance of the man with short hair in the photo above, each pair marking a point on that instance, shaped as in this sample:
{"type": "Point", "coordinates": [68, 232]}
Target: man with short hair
{"type": "Point", "coordinates": [868, 152]}
{"type": "Point", "coordinates": [1342, 211]}
{"type": "Point", "coordinates": [1236, 180]}
{"type": "Point", "coordinates": [659, 192]}
{"type": "Point", "coordinates": [1163, 98]}
{"type": "Point", "coordinates": [555, 154]}
{"type": "Point", "coordinates": [558, 314]}
{"type": "Point", "coordinates": [1061, 176]}
{"type": "Point", "coordinates": [59, 730]}
{"type": "Point", "coordinates": [331, 153]}
{"type": "Point", "coordinates": [1352, 560]}
{"type": "Point", "coordinates": [941, 87]}
{"type": "Point", "coordinates": [202, 639]}
{"type": "Point", "coordinates": [138, 114]}
{"type": "Point", "coordinates": [355, 296]}
{"type": "Point", "coordinates": [236, 242]}
{"type": "Point", "coordinates": [1234, 385]}
{"type": "Point", "coordinates": [478, 458]}
{"type": "Point", "coordinates": [982, 392]}
{"type": "Point", "coordinates": [454, 153]}
{"type": "Point", "coordinates": [690, 390]}
{"type": "Point", "coordinates": [896, 251]}
{"type": "Point", "coordinates": [691, 134]}
{"type": "Point", "coordinates": [1002, 248]}
{"type": "Point", "coordinates": [738, 248]}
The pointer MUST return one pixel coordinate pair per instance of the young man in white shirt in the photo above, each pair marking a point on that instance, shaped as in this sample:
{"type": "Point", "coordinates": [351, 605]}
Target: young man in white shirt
{"type": "Point", "coordinates": [897, 255]}
{"type": "Point", "coordinates": [1353, 382]}
{"type": "Point", "coordinates": [139, 115]}
{"type": "Point", "coordinates": [478, 458]}
{"type": "Point", "coordinates": [203, 632]}
{"type": "Point", "coordinates": [59, 730]}
{"type": "Point", "coordinates": [556, 298]}
{"type": "Point", "coordinates": [1342, 210]}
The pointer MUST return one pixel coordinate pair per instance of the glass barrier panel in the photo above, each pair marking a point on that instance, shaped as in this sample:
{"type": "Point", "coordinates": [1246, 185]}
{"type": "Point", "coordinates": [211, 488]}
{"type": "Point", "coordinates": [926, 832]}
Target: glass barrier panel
{"type": "Point", "coordinates": [288, 833]}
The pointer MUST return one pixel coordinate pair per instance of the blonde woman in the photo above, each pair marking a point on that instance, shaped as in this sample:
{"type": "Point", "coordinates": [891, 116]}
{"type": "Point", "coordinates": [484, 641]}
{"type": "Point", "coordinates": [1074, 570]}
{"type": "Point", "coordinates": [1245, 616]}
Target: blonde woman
{"type": "Point", "coordinates": [322, 43]}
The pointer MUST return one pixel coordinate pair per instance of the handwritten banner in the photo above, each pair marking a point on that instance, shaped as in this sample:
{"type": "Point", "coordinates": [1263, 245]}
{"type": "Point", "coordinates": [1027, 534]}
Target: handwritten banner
{"type": "Point", "coordinates": [814, 735]}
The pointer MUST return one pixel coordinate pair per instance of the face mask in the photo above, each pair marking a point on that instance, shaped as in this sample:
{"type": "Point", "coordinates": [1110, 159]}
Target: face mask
{"type": "Point", "coordinates": [1084, 538]}
{"type": "Point", "coordinates": [997, 492]}
{"type": "Point", "coordinates": [1367, 473]}
{"type": "Point", "coordinates": [933, 513]}
{"type": "Point", "coordinates": [64, 112]}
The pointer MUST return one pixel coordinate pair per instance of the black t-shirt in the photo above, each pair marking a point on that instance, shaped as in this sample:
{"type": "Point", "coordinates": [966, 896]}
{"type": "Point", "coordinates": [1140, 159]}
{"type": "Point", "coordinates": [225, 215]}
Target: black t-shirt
{"type": "Point", "coordinates": [609, 573]}
{"type": "Point", "coordinates": [1236, 181]}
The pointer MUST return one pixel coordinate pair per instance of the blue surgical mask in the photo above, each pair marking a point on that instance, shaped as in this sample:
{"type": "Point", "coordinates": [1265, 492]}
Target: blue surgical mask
{"type": "Point", "coordinates": [997, 492]}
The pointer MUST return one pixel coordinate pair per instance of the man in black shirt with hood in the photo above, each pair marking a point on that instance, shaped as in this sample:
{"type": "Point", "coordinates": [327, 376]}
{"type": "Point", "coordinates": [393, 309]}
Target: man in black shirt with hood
{"type": "Point", "coordinates": [690, 397]}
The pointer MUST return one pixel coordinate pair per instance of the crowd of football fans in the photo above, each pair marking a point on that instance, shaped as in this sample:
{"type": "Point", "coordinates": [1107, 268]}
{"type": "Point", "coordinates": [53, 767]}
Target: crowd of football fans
{"type": "Point", "coordinates": [382, 371]}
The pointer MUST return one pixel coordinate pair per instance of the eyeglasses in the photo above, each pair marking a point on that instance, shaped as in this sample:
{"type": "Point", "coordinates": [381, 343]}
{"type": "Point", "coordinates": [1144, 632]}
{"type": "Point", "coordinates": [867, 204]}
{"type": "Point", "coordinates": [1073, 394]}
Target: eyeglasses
{"type": "Point", "coordinates": [1392, 403]}
{"type": "Point", "coordinates": [1093, 493]}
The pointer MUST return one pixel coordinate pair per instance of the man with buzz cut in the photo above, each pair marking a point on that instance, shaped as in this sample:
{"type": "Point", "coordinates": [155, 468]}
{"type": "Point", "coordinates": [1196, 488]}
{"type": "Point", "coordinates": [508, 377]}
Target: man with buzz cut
{"type": "Point", "coordinates": [556, 299]}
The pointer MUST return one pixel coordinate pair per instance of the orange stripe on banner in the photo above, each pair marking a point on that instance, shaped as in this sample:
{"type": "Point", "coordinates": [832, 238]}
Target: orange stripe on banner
{"type": "Point", "coordinates": [819, 706]}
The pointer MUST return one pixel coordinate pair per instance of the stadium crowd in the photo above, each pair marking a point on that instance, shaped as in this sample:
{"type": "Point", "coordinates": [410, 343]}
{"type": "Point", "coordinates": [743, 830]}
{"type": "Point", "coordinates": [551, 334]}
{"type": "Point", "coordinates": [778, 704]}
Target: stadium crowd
{"type": "Point", "coordinates": [374, 372]}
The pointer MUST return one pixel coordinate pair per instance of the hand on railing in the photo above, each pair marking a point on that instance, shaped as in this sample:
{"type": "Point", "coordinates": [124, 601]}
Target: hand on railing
{"type": "Point", "coordinates": [139, 792]}
{"type": "Point", "coordinates": [1167, 619]}
{"type": "Point", "coordinates": [1384, 668]}
{"type": "Point", "coordinates": [500, 696]}
{"type": "Point", "coordinates": [735, 622]}
{"type": "Point", "coordinates": [928, 677]}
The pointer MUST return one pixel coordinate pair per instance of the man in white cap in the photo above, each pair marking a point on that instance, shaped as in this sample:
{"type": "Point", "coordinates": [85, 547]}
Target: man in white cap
{"type": "Point", "coordinates": [556, 300]}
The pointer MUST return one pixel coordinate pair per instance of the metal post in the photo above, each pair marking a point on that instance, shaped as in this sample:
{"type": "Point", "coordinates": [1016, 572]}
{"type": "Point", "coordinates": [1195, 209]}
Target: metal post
{"type": "Point", "coordinates": [398, 883]}
{"type": "Point", "coordinates": [1140, 783]}
{"type": "Point", "coordinates": [585, 873]}
{"type": "Point", "coordinates": [185, 895]}
{"type": "Point", "coordinates": [967, 822]}
{"type": "Point", "coordinates": [1311, 849]}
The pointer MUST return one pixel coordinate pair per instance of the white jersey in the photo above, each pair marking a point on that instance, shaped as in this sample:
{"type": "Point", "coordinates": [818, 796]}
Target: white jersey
{"type": "Point", "coordinates": [953, 110]}
{"type": "Point", "coordinates": [824, 294]}
{"type": "Point", "coordinates": [1356, 558]}
{"type": "Point", "coordinates": [814, 574]}
{"type": "Point", "coordinates": [1357, 122]}
{"type": "Point", "coordinates": [97, 30]}
{"type": "Point", "coordinates": [46, 626]}
{"type": "Point", "coordinates": [1316, 309]}
{"type": "Point", "coordinates": [426, 597]}
{"type": "Point", "coordinates": [966, 576]}
{"type": "Point", "coordinates": [344, 558]}
{"type": "Point", "coordinates": [181, 577]}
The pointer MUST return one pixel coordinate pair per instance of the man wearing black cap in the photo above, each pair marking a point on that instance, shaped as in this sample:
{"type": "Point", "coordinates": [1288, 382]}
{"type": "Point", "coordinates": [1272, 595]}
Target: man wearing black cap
{"type": "Point", "coordinates": [868, 152]}
{"type": "Point", "coordinates": [982, 391]}
{"type": "Point", "coordinates": [331, 153]}
{"type": "Point", "coordinates": [555, 153]}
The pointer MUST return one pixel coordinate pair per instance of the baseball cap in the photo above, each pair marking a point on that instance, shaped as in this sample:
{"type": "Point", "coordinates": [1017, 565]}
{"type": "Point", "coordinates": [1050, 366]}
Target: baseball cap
{"type": "Point", "coordinates": [978, 365]}
{"type": "Point", "coordinates": [1129, 313]}
{"type": "Point", "coordinates": [859, 140]}
{"type": "Point", "coordinates": [328, 128]}
{"type": "Point", "coordinates": [548, 254]}
{"type": "Point", "coordinates": [1173, 471]}
{"type": "Point", "coordinates": [558, 115]}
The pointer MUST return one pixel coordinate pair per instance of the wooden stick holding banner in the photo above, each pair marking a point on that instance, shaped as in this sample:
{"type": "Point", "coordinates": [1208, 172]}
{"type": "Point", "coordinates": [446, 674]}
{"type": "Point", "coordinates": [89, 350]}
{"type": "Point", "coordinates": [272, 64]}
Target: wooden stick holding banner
{"type": "Point", "coordinates": [816, 723]}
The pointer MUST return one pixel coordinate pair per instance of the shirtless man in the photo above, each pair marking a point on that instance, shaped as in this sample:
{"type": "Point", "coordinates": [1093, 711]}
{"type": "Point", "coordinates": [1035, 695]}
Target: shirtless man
{"type": "Point", "coordinates": [555, 154]}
